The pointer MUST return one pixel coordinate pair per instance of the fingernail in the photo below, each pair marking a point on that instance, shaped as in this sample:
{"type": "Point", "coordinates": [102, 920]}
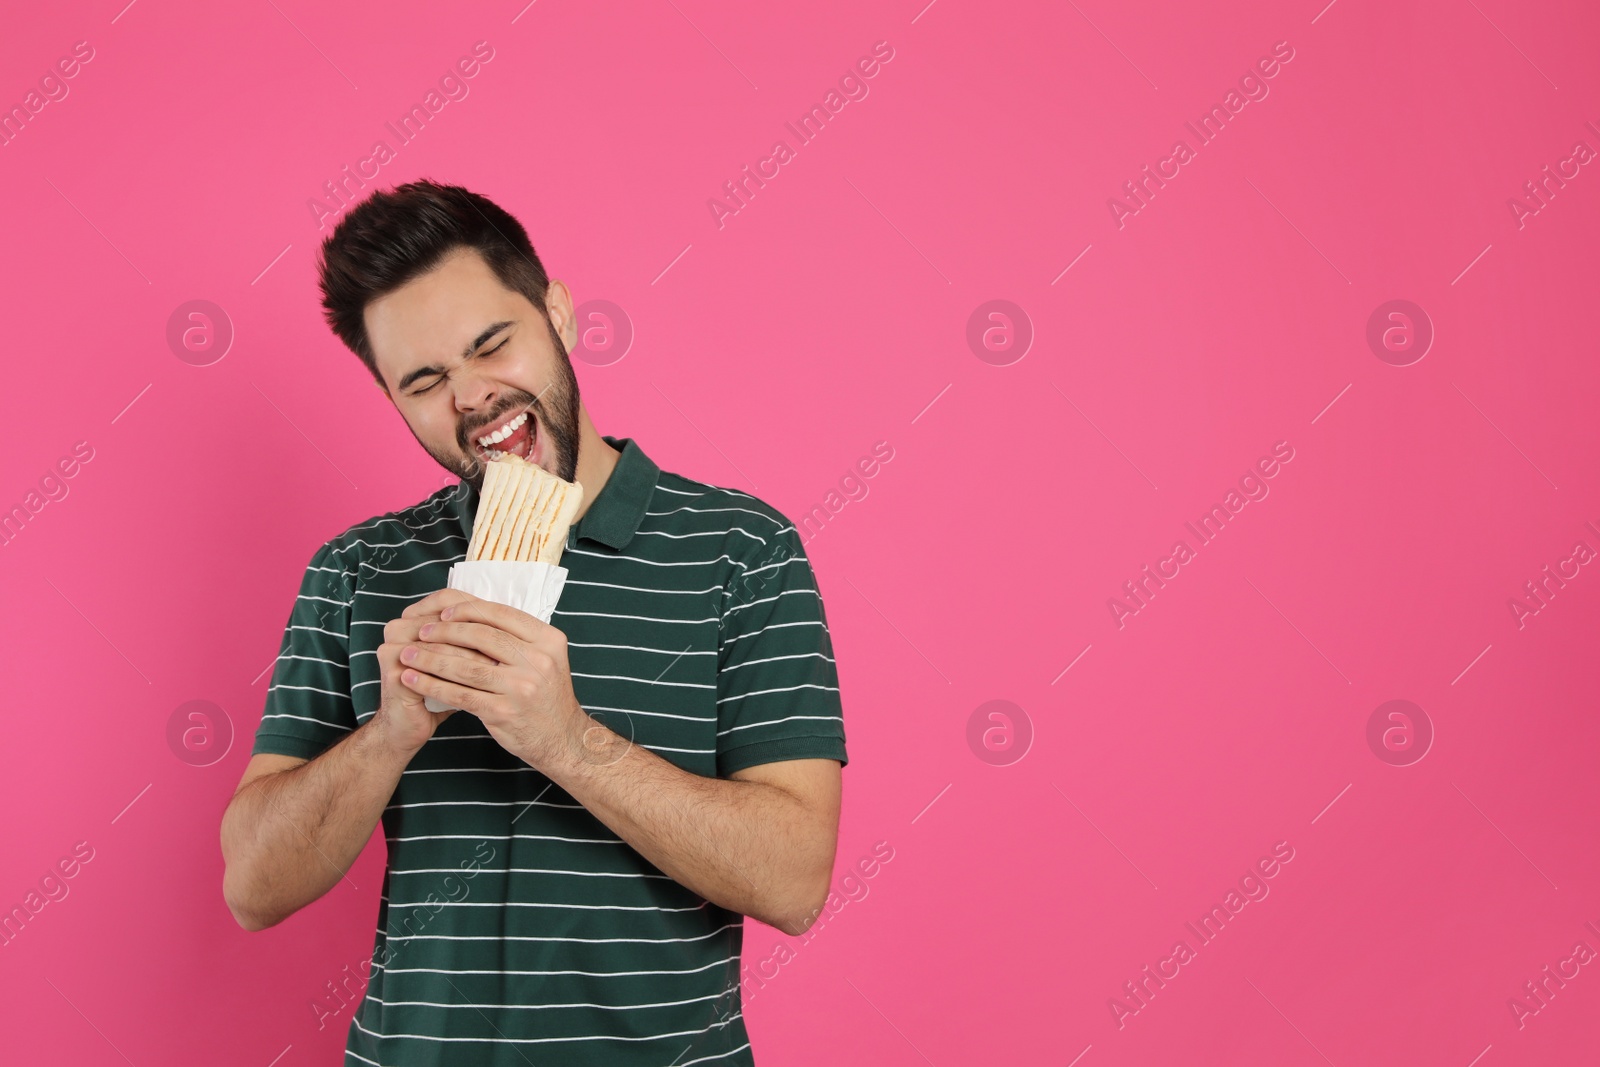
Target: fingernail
{"type": "Point", "coordinates": [408, 653]}
{"type": "Point", "coordinates": [445, 614]}
{"type": "Point", "coordinates": [409, 677]}
{"type": "Point", "coordinates": [426, 630]}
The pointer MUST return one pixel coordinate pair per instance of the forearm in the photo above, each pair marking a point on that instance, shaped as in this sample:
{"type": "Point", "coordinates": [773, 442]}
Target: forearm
{"type": "Point", "coordinates": [747, 846]}
{"type": "Point", "coordinates": [289, 837]}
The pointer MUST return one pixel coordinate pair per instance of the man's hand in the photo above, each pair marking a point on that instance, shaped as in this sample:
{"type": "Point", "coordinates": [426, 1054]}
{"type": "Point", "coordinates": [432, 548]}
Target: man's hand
{"type": "Point", "coordinates": [402, 719]}
{"type": "Point", "coordinates": [502, 665]}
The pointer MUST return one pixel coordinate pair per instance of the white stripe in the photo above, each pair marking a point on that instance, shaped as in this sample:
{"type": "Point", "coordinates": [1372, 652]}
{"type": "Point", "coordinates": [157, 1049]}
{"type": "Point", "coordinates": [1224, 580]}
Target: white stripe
{"type": "Point", "coordinates": [704, 533]}
{"type": "Point", "coordinates": [538, 1007]}
{"type": "Point", "coordinates": [713, 511]}
{"type": "Point", "coordinates": [774, 659]}
{"type": "Point", "coordinates": [315, 629]}
{"type": "Point", "coordinates": [656, 563]}
{"type": "Point", "coordinates": [651, 714]}
{"type": "Point", "coordinates": [398, 519]}
{"type": "Point", "coordinates": [533, 904]}
{"type": "Point", "coordinates": [647, 589]}
{"type": "Point", "coordinates": [479, 803]}
{"type": "Point", "coordinates": [780, 563]}
{"type": "Point", "coordinates": [646, 681]}
{"type": "Point", "coordinates": [641, 648]}
{"type": "Point", "coordinates": [408, 570]}
{"type": "Point", "coordinates": [775, 626]}
{"type": "Point", "coordinates": [315, 659]}
{"type": "Point", "coordinates": [638, 618]}
{"type": "Point", "coordinates": [775, 722]}
{"type": "Point", "coordinates": [302, 718]}
{"type": "Point", "coordinates": [784, 689]}
{"type": "Point", "coordinates": [579, 940]}
{"type": "Point", "coordinates": [518, 837]}
{"type": "Point", "coordinates": [533, 870]}
{"type": "Point", "coordinates": [325, 600]}
{"type": "Point", "coordinates": [753, 603]}
{"type": "Point", "coordinates": [409, 541]}
{"type": "Point", "coordinates": [537, 1040]}
{"type": "Point", "coordinates": [308, 688]}
{"type": "Point", "coordinates": [588, 974]}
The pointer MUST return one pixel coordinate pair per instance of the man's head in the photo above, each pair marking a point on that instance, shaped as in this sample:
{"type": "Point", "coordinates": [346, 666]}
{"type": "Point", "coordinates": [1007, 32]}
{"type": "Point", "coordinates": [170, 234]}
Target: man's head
{"type": "Point", "coordinates": [441, 295]}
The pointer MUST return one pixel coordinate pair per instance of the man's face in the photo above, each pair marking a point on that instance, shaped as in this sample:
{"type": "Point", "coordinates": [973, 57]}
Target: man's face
{"type": "Point", "coordinates": [464, 359]}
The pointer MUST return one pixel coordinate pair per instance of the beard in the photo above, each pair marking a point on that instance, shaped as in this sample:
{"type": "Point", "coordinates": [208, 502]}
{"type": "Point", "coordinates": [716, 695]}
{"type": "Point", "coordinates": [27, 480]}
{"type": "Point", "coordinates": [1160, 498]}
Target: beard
{"type": "Point", "coordinates": [555, 410]}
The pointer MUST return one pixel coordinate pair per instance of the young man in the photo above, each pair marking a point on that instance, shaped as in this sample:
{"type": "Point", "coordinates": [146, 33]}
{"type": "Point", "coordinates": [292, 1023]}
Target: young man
{"type": "Point", "coordinates": [571, 855]}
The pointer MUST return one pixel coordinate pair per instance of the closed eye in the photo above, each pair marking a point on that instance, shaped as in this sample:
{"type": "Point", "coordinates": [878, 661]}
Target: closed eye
{"type": "Point", "coordinates": [439, 378]}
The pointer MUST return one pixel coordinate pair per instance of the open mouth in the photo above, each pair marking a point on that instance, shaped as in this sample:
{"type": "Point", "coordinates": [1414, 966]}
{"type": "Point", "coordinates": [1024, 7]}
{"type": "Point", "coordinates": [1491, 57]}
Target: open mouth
{"type": "Point", "coordinates": [516, 435]}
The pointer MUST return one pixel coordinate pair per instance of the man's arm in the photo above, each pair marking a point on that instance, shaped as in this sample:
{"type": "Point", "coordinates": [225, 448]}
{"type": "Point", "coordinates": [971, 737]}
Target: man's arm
{"type": "Point", "coordinates": [761, 843]}
{"type": "Point", "coordinates": [293, 828]}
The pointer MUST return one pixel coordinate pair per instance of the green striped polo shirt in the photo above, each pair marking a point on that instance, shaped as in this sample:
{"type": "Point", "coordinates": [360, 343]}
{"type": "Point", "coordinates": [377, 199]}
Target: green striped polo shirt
{"type": "Point", "coordinates": [514, 926]}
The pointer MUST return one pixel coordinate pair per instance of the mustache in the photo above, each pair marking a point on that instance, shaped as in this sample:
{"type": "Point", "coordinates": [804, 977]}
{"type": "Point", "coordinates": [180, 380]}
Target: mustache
{"type": "Point", "coordinates": [519, 401]}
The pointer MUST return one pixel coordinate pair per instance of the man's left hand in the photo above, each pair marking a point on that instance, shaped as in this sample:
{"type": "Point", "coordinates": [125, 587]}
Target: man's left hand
{"type": "Point", "coordinates": [524, 698]}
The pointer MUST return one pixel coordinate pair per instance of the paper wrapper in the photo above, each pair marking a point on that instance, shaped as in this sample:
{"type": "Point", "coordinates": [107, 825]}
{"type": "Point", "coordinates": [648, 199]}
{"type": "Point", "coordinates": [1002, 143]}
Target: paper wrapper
{"type": "Point", "coordinates": [533, 587]}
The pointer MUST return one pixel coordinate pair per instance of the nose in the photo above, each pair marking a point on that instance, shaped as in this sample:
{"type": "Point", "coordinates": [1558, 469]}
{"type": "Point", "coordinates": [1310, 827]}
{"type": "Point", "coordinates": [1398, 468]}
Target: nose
{"type": "Point", "coordinates": [473, 392]}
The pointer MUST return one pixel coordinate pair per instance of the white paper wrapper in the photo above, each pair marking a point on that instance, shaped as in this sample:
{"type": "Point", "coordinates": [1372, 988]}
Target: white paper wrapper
{"type": "Point", "coordinates": [532, 587]}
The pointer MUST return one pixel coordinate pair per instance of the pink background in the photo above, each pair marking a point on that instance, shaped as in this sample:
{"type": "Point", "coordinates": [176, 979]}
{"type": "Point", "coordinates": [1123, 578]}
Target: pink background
{"type": "Point", "coordinates": [772, 353]}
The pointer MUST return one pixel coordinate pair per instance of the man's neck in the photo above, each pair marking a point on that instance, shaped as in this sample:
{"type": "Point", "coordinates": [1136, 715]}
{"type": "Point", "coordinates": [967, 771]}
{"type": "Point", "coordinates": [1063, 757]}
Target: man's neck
{"type": "Point", "coordinates": [596, 461]}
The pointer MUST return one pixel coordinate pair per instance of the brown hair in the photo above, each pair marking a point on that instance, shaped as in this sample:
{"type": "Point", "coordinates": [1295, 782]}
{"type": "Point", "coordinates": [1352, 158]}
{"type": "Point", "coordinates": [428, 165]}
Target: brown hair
{"type": "Point", "coordinates": [393, 237]}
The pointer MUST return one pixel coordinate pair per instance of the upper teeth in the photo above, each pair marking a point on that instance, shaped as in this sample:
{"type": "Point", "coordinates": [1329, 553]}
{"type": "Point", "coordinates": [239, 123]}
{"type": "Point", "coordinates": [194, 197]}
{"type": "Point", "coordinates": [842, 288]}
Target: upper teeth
{"type": "Point", "coordinates": [504, 432]}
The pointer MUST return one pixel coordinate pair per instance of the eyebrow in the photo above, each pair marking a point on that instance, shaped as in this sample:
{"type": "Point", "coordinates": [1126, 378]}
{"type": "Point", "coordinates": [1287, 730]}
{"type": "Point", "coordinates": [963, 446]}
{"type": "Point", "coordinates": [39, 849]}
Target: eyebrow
{"type": "Point", "coordinates": [477, 343]}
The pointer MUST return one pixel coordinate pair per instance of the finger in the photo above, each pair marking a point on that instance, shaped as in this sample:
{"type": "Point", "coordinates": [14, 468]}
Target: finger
{"type": "Point", "coordinates": [433, 603]}
{"type": "Point", "coordinates": [493, 642]}
{"type": "Point", "coordinates": [399, 631]}
{"type": "Point", "coordinates": [475, 673]}
{"type": "Point", "coordinates": [464, 697]}
{"type": "Point", "coordinates": [518, 624]}
{"type": "Point", "coordinates": [455, 650]}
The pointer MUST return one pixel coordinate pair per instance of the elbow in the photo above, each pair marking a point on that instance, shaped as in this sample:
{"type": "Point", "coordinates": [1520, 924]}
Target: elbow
{"type": "Point", "coordinates": [253, 921]}
{"type": "Point", "coordinates": [248, 916]}
{"type": "Point", "coordinates": [801, 910]}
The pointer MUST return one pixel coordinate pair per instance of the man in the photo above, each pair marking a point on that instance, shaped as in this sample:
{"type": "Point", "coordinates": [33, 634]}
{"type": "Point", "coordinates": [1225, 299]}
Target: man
{"type": "Point", "coordinates": [569, 857]}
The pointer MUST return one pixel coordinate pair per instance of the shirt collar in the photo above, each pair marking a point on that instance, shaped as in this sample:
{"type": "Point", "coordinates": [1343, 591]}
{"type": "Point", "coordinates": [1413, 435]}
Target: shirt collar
{"type": "Point", "coordinates": [615, 515]}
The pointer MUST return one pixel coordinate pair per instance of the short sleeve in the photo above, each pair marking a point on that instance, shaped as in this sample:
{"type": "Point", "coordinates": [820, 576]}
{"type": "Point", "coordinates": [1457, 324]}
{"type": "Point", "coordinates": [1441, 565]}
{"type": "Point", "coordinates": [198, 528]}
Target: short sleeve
{"type": "Point", "coordinates": [777, 682]}
{"type": "Point", "coordinates": [308, 705]}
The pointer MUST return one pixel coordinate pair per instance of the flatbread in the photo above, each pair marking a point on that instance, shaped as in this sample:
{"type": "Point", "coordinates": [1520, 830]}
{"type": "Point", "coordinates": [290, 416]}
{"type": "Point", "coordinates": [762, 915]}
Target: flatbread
{"type": "Point", "coordinates": [500, 546]}
{"type": "Point", "coordinates": [488, 505]}
{"type": "Point", "coordinates": [519, 527]}
{"type": "Point", "coordinates": [530, 525]}
{"type": "Point", "coordinates": [548, 485]}
{"type": "Point", "coordinates": [552, 507]}
{"type": "Point", "coordinates": [550, 552]}
{"type": "Point", "coordinates": [524, 512]}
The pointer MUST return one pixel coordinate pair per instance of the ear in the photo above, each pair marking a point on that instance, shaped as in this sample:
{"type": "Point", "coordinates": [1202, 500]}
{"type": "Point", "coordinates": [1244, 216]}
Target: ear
{"type": "Point", "coordinates": [384, 389]}
{"type": "Point", "coordinates": [558, 305]}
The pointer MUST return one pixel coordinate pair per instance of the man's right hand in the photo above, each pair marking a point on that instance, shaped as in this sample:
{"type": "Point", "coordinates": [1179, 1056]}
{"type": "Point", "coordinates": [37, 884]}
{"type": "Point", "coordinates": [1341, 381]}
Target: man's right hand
{"type": "Point", "coordinates": [402, 719]}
